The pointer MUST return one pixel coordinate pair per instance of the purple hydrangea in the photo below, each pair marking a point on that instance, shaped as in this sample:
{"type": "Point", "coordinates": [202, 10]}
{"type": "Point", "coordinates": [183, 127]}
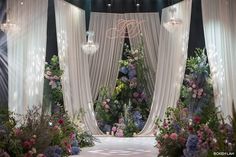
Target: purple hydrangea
{"type": "Point", "coordinates": [132, 74]}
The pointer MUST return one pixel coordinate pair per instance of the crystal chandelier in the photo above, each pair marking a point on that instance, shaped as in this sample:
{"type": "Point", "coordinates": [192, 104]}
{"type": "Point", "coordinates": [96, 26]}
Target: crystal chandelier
{"type": "Point", "coordinates": [8, 26]}
{"type": "Point", "coordinates": [173, 23]}
{"type": "Point", "coordinates": [90, 47]}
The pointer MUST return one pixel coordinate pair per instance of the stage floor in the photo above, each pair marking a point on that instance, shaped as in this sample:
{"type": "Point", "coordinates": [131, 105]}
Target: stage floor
{"type": "Point", "coordinates": [121, 147]}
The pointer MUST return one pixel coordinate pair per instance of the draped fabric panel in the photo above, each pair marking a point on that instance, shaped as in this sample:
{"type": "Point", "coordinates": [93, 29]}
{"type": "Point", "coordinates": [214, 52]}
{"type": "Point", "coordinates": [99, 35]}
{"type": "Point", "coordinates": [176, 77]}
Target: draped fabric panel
{"type": "Point", "coordinates": [104, 64]}
{"type": "Point", "coordinates": [172, 55]}
{"type": "Point", "coordinates": [219, 23]}
{"type": "Point", "coordinates": [147, 24]}
{"type": "Point", "coordinates": [70, 24]}
{"type": "Point", "coordinates": [26, 53]}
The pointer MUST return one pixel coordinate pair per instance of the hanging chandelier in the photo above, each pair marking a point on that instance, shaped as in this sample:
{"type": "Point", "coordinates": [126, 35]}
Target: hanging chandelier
{"type": "Point", "coordinates": [8, 26]}
{"type": "Point", "coordinates": [90, 47]}
{"type": "Point", "coordinates": [173, 23]}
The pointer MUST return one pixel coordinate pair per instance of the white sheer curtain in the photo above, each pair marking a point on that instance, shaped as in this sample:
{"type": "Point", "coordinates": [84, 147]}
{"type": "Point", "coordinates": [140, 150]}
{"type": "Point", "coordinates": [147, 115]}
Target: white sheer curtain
{"type": "Point", "coordinates": [172, 55]}
{"type": "Point", "coordinates": [219, 23]}
{"type": "Point", "coordinates": [70, 23]}
{"type": "Point", "coordinates": [104, 65]}
{"type": "Point", "coordinates": [26, 53]}
{"type": "Point", "coordinates": [148, 24]}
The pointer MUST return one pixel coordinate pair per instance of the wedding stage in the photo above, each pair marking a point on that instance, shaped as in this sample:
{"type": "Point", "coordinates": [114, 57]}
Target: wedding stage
{"type": "Point", "coordinates": [125, 83]}
{"type": "Point", "coordinates": [121, 147]}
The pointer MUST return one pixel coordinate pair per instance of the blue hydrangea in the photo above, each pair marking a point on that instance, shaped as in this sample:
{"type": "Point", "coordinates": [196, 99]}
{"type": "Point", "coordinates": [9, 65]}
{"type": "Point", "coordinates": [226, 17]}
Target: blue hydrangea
{"type": "Point", "coordinates": [53, 151]}
{"type": "Point", "coordinates": [137, 115]}
{"type": "Point", "coordinates": [139, 123]}
{"type": "Point", "coordinates": [191, 146]}
{"type": "Point", "coordinates": [75, 150]}
{"type": "Point", "coordinates": [74, 143]}
{"type": "Point", "coordinates": [177, 127]}
{"type": "Point", "coordinates": [124, 70]}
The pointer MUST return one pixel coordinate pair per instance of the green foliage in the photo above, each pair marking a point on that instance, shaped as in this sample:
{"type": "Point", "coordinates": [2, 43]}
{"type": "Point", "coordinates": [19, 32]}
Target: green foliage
{"type": "Point", "coordinates": [8, 141]}
{"type": "Point", "coordinates": [197, 64]}
{"type": "Point", "coordinates": [233, 122]}
{"type": "Point", "coordinates": [86, 139]}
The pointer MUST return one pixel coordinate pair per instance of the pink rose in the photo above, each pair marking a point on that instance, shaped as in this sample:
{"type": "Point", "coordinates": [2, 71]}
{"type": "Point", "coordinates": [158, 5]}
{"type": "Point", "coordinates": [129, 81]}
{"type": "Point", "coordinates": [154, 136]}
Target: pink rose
{"type": "Point", "coordinates": [56, 127]}
{"type": "Point", "coordinates": [104, 103]}
{"type": "Point", "coordinates": [165, 125]}
{"type": "Point", "coordinates": [173, 136]}
{"type": "Point", "coordinates": [53, 84]}
{"type": "Point", "coordinates": [18, 132]}
{"type": "Point", "coordinates": [194, 86]}
{"type": "Point", "coordinates": [201, 89]}
{"type": "Point", "coordinates": [119, 133]}
{"type": "Point", "coordinates": [114, 129]}
{"type": "Point", "coordinates": [165, 136]}
{"type": "Point", "coordinates": [72, 136]}
{"type": "Point", "coordinates": [107, 106]}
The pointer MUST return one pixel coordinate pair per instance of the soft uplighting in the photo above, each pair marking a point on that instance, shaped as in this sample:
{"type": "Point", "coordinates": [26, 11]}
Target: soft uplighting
{"type": "Point", "coordinates": [90, 47]}
{"type": "Point", "coordinates": [173, 23]}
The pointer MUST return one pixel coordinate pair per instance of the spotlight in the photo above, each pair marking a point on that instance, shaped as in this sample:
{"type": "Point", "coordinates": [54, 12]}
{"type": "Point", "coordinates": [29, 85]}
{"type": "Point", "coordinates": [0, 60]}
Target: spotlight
{"type": "Point", "coordinates": [109, 4]}
{"type": "Point", "coordinates": [21, 2]}
{"type": "Point", "coordinates": [137, 2]}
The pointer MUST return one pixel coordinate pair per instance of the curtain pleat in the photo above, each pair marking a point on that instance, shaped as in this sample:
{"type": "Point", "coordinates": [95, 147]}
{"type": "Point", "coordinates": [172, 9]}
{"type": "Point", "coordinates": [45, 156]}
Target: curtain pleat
{"type": "Point", "coordinates": [172, 55]}
{"type": "Point", "coordinates": [219, 23]}
{"type": "Point", "coordinates": [148, 25]}
{"type": "Point", "coordinates": [26, 54]}
{"type": "Point", "coordinates": [70, 24]}
{"type": "Point", "coordinates": [104, 64]}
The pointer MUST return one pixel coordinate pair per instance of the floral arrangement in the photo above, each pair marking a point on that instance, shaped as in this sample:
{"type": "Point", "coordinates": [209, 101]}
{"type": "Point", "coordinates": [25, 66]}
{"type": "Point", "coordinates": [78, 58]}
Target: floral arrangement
{"type": "Point", "coordinates": [53, 97]}
{"type": "Point", "coordinates": [195, 127]}
{"type": "Point", "coordinates": [42, 133]}
{"type": "Point", "coordinates": [123, 112]}
{"type": "Point", "coordinates": [42, 136]}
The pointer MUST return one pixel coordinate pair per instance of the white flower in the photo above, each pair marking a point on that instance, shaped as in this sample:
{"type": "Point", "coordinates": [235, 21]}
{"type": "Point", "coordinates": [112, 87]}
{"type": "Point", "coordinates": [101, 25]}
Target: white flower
{"type": "Point", "coordinates": [56, 77]}
{"type": "Point", "coordinates": [49, 73]}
